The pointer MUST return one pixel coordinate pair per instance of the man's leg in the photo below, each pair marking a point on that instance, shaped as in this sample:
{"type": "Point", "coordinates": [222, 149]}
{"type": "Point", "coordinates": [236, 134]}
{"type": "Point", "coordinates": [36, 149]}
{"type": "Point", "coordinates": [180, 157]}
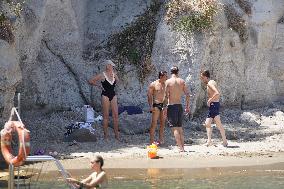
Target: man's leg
{"type": "Point", "coordinates": [162, 127]}
{"type": "Point", "coordinates": [181, 137]}
{"type": "Point", "coordinates": [221, 129]}
{"type": "Point", "coordinates": [105, 105]}
{"type": "Point", "coordinates": [155, 116]}
{"type": "Point", "coordinates": [176, 132]}
{"type": "Point", "coordinates": [209, 131]}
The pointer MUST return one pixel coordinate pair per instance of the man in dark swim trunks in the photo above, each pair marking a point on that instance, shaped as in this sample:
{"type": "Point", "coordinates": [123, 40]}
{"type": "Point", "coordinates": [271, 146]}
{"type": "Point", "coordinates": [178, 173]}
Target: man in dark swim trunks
{"type": "Point", "coordinates": [175, 89]}
{"type": "Point", "coordinates": [156, 95]}
{"type": "Point", "coordinates": [214, 105]}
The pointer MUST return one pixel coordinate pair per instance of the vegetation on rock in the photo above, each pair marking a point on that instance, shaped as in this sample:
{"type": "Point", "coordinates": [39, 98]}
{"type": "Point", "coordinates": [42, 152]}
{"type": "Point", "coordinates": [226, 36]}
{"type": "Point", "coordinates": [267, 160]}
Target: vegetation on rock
{"type": "Point", "coordinates": [191, 15]}
{"type": "Point", "coordinates": [6, 28]}
{"type": "Point", "coordinates": [236, 22]}
{"type": "Point", "coordinates": [245, 6]}
{"type": "Point", "coordinates": [135, 43]}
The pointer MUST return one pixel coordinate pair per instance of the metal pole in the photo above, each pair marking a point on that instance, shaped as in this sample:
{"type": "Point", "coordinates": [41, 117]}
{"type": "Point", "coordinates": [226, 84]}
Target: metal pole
{"type": "Point", "coordinates": [19, 103]}
{"type": "Point", "coordinates": [18, 178]}
{"type": "Point", "coordinates": [11, 177]}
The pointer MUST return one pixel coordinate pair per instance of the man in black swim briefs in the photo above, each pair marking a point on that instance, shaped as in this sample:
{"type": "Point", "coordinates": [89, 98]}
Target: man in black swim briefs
{"type": "Point", "coordinates": [214, 105]}
{"type": "Point", "coordinates": [156, 95]}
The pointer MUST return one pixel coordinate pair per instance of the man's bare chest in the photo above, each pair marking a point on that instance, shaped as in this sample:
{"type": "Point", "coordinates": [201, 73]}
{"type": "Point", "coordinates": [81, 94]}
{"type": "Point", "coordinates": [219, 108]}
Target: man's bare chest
{"type": "Point", "coordinates": [209, 92]}
{"type": "Point", "coordinates": [159, 88]}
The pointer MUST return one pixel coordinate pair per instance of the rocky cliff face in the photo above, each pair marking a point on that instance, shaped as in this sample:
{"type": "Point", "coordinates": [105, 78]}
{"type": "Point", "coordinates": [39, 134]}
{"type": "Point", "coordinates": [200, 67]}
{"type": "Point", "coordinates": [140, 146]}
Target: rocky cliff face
{"type": "Point", "coordinates": [59, 44]}
{"type": "Point", "coordinates": [245, 62]}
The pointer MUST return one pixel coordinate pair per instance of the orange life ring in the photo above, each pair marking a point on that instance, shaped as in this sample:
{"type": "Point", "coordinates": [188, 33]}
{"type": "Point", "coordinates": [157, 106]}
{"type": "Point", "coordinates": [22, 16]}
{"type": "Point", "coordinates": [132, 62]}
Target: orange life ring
{"type": "Point", "coordinates": [24, 142]}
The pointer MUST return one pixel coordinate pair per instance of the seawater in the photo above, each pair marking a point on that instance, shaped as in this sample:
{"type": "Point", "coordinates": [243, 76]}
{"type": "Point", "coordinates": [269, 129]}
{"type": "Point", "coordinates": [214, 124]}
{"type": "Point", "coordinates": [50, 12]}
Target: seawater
{"type": "Point", "coordinates": [253, 177]}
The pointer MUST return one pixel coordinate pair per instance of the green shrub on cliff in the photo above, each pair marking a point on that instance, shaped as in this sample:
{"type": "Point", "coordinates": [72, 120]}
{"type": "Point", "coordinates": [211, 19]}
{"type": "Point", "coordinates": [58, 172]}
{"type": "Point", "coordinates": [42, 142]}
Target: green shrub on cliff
{"type": "Point", "coordinates": [191, 15]}
{"type": "Point", "coordinates": [6, 28]}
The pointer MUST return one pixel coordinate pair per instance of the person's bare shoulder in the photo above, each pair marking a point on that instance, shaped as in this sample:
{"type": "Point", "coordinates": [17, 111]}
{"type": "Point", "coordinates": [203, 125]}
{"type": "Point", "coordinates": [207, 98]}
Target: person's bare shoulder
{"type": "Point", "coordinates": [154, 83]}
{"type": "Point", "coordinates": [167, 81]}
{"type": "Point", "coordinates": [181, 80]}
{"type": "Point", "coordinates": [212, 82]}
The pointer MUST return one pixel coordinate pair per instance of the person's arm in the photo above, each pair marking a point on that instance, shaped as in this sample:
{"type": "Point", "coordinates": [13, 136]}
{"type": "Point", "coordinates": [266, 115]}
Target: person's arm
{"type": "Point", "coordinates": [116, 78]}
{"type": "Point", "coordinates": [166, 99]}
{"type": "Point", "coordinates": [187, 97]}
{"type": "Point", "coordinates": [215, 95]}
{"type": "Point", "coordinates": [95, 79]}
{"type": "Point", "coordinates": [93, 183]}
{"type": "Point", "coordinates": [150, 96]}
{"type": "Point", "coordinates": [78, 183]}
{"type": "Point", "coordinates": [86, 180]}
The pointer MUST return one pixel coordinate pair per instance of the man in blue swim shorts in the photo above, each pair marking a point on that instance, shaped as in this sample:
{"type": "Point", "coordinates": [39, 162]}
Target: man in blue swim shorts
{"type": "Point", "coordinates": [214, 106]}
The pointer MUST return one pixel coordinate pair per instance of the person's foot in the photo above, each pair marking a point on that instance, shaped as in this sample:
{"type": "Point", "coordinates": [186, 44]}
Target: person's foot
{"type": "Point", "coordinates": [161, 144]}
{"type": "Point", "coordinates": [225, 144]}
{"type": "Point", "coordinates": [181, 150]}
{"type": "Point", "coordinates": [162, 141]}
{"type": "Point", "coordinates": [208, 144]}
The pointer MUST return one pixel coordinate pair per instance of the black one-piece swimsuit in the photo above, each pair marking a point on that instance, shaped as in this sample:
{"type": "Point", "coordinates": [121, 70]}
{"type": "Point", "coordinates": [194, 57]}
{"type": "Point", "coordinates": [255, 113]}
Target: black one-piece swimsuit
{"type": "Point", "coordinates": [108, 89]}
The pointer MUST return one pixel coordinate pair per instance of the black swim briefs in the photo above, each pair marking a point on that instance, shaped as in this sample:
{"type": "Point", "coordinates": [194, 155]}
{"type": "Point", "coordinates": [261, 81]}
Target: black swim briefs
{"type": "Point", "coordinates": [159, 106]}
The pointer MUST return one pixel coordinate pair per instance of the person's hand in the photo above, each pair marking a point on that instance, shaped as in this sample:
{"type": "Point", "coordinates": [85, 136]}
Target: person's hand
{"type": "Point", "coordinates": [152, 109]}
{"type": "Point", "coordinates": [208, 103]}
{"type": "Point", "coordinates": [187, 110]}
{"type": "Point", "coordinates": [71, 180]}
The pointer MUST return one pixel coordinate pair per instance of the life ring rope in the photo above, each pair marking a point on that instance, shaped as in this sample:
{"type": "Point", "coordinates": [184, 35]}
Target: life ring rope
{"type": "Point", "coordinates": [14, 110]}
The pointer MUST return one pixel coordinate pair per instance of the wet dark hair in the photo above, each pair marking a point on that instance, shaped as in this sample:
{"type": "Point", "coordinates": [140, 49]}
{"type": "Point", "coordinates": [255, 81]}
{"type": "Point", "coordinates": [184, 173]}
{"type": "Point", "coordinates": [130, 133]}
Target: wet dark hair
{"type": "Point", "coordinates": [99, 159]}
{"type": "Point", "coordinates": [161, 74]}
{"type": "Point", "coordinates": [174, 70]}
{"type": "Point", "coordinates": [206, 73]}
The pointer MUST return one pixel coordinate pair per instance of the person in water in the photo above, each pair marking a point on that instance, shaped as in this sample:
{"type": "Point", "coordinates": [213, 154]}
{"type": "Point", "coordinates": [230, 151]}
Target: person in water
{"type": "Point", "coordinates": [98, 179]}
{"type": "Point", "coordinates": [214, 105]}
{"type": "Point", "coordinates": [107, 81]}
{"type": "Point", "coordinates": [156, 94]}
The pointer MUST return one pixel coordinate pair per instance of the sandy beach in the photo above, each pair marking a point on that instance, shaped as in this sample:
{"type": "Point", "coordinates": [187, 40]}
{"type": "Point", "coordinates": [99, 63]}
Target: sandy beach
{"type": "Point", "coordinates": [173, 162]}
{"type": "Point", "coordinates": [252, 134]}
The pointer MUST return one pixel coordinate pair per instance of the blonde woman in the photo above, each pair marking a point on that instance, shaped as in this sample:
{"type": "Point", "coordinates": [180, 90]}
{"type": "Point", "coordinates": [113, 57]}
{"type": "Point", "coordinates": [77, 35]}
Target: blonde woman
{"type": "Point", "coordinates": [106, 81]}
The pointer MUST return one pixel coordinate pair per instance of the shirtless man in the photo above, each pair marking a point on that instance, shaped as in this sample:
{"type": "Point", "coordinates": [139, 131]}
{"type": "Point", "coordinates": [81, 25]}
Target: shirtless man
{"type": "Point", "coordinates": [156, 95]}
{"type": "Point", "coordinates": [214, 105]}
{"type": "Point", "coordinates": [175, 89]}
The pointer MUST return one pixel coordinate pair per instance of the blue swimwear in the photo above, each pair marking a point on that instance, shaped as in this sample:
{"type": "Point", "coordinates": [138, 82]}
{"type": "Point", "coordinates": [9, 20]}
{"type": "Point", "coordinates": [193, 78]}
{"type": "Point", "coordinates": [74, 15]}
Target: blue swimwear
{"type": "Point", "coordinates": [175, 115]}
{"type": "Point", "coordinates": [213, 110]}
